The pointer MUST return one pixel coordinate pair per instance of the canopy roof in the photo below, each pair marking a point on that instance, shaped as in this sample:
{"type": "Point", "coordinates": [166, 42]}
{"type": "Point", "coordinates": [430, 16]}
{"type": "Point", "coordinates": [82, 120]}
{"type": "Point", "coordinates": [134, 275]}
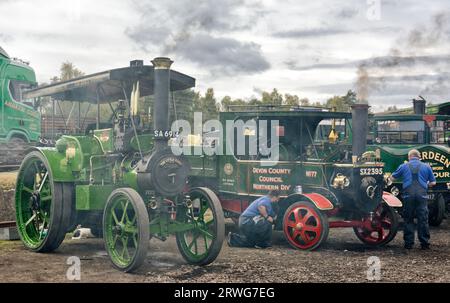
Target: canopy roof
{"type": "Point", "coordinates": [3, 52]}
{"type": "Point", "coordinates": [108, 85]}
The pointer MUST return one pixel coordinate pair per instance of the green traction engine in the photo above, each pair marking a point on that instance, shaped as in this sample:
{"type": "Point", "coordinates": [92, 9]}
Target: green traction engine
{"type": "Point", "coordinates": [122, 181]}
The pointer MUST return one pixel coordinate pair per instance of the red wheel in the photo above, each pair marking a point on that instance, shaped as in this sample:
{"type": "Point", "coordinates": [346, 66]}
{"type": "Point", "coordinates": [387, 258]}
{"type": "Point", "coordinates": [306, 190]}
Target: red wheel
{"type": "Point", "coordinates": [305, 227]}
{"type": "Point", "coordinates": [382, 229]}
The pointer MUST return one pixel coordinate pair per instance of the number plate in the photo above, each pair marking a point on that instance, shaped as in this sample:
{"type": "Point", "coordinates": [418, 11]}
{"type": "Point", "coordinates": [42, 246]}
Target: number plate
{"type": "Point", "coordinates": [371, 171]}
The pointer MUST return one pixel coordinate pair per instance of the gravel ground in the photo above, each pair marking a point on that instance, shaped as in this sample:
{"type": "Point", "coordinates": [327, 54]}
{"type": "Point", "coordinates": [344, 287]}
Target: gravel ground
{"type": "Point", "coordinates": [342, 259]}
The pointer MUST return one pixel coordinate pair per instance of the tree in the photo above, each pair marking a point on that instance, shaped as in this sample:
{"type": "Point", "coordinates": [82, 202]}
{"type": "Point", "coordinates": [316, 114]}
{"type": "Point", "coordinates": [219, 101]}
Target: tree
{"type": "Point", "coordinates": [69, 71]}
{"type": "Point", "coordinates": [273, 98]}
{"type": "Point", "coordinates": [208, 105]}
{"type": "Point", "coordinates": [342, 103]}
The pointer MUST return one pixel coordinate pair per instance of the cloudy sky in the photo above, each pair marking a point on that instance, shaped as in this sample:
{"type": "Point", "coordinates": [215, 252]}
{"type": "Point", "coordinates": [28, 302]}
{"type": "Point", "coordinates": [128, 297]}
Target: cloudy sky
{"type": "Point", "coordinates": [389, 51]}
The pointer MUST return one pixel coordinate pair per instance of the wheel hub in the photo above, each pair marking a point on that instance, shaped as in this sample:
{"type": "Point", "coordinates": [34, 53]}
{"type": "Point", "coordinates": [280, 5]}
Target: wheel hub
{"type": "Point", "coordinates": [35, 201]}
{"type": "Point", "coordinates": [299, 226]}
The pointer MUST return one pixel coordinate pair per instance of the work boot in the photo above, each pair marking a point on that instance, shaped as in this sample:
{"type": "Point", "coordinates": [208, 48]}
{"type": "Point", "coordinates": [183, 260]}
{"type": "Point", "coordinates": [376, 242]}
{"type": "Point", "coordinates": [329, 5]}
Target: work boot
{"type": "Point", "coordinates": [408, 246]}
{"type": "Point", "coordinates": [425, 246]}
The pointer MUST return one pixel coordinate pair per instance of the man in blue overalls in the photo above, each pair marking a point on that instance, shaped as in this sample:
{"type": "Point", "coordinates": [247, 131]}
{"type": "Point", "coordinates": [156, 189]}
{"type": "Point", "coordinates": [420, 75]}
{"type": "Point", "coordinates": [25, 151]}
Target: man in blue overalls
{"type": "Point", "coordinates": [417, 177]}
{"type": "Point", "coordinates": [255, 223]}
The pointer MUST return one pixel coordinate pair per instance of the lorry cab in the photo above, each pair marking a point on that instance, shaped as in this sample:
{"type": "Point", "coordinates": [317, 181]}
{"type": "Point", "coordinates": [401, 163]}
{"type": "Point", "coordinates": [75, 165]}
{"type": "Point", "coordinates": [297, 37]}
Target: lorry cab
{"type": "Point", "coordinates": [19, 119]}
{"type": "Point", "coordinates": [424, 129]}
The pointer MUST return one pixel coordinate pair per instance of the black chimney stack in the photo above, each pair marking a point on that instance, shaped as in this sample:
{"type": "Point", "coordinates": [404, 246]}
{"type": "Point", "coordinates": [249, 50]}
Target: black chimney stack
{"type": "Point", "coordinates": [161, 106]}
{"type": "Point", "coordinates": [360, 126]}
{"type": "Point", "coordinates": [419, 106]}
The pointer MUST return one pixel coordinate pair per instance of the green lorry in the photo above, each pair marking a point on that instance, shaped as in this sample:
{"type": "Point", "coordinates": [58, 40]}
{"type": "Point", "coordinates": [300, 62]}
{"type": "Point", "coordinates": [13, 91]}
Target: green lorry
{"type": "Point", "coordinates": [425, 129]}
{"type": "Point", "coordinates": [20, 121]}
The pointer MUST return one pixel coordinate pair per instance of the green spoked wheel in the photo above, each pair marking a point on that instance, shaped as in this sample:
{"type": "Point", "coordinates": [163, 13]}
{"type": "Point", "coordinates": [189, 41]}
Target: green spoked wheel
{"type": "Point", "coordinates": [43, 207]}
{"type": "Point", "coordinates": [201, 245]}
{"type": "Point", "coordinates": [126, 229]}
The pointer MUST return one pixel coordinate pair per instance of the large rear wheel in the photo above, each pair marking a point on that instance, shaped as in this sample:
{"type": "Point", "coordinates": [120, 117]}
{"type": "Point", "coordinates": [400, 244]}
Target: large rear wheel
{"type": "Point", "coordinates": [43, 207]}
{"type": "Point", "coordinates": [437, 210]}
{"type": "Point", "coordinates": [202, 244]}
{"type": "Point", "coordinates": [126, 229]}
{"type": "Point", "coordinates": [305, 226]}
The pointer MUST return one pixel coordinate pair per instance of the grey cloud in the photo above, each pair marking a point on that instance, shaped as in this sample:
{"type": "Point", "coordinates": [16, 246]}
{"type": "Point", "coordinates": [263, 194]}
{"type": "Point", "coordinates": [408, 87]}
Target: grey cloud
{"type": "Point", "coordinates": [347, 13]}
{"type": "Point", "coordinates": [223, 55]}
{"type": "Point", "coordinates": [198, 33]}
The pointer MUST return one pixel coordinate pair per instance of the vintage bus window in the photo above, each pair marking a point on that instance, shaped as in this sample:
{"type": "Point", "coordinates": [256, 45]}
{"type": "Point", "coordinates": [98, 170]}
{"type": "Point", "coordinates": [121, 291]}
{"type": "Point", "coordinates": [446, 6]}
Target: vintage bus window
{"type": "Point", "coordinates": [437, 132]}
{"type": "Point", "coordinates": [16, 88]}
{"type": "Point", "coordinates": [400, 132]}
{"type": "Point", "coordinates": [324, 128]}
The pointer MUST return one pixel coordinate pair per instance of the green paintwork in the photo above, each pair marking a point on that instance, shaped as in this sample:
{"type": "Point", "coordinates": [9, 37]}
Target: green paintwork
{"type": "Point", "coordinates": [17, 118]}
{"type": "Point", "coordinates": [145, 142]}
{"type": "Point", "coordinates": [106, 139]}
{"type": "Point", "coordinates": [92, 197]}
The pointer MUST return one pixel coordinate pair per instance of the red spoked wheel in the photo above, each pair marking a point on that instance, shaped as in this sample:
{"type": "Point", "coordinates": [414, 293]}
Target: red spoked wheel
{"type": "Point", "coordinates": [381, 229]}
{"type": "Point", "coordinates": [305, 226]}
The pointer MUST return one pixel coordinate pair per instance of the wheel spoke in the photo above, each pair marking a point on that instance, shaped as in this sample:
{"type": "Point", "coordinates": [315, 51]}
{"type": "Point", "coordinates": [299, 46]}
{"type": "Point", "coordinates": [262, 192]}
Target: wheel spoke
{"type": "Point", "coordinates": [124, 211]}
{"type": "Point", "coordinates": [291, 224]}
{"type": "Point", "coordinates": [206, 234]}
{"type": "Point", "coordinates": [194, 240]}
{"type": "Point", "coordinates": [113, 211]}
{"type": "Point", "coordinates": [295, 234]}
{"type": "Point", "coordinates": [30, 220]}
{"type": "Point", "coordinates": [43, 182]}
{"type": "Point", "coordinates": [306, 217]}
{"type": "Point", "coordinates": [46, 198]}
{"type": "Point", "coordinates": [311, 228]}
{"type": "Point", "coordinates": [27, 189]}
{"type": "Point", "coordinates": [116, 237]}
{"type": "Point", "coordinates": [124, 244]}
{"type": "Point", "coordinates": [297, 215]}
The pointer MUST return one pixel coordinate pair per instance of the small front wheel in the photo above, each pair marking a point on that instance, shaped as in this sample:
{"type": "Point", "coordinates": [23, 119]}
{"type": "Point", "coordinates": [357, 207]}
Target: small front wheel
{"type": "Point", "coordinates": [383, 227]}
{"type": "Point", "coordinates": [126, 229]}
{"type": "Point", "coordinates": [305, 226]}
{"type": "Point", "coordinates": [201, 244]}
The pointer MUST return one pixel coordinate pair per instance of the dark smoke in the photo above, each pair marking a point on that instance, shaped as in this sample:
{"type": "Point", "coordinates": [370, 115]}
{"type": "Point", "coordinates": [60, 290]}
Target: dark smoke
{"type": "Point", "coordinates": [372, 75]}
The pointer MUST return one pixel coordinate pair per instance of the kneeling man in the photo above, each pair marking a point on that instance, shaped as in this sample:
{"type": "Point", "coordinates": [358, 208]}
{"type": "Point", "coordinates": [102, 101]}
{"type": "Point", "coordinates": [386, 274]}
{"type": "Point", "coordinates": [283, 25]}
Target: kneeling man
{"type": "Point", "coordinates": [255, 223]}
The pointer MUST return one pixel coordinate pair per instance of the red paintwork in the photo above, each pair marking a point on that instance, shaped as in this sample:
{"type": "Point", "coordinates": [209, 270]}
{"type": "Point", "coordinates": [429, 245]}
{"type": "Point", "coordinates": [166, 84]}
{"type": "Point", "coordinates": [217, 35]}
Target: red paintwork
{"type": "Point", "coordinates": [340, 224]}
{"type": "Point", "coordinates": [320, 201]}
{"type": "Point", "coordinates": [391, 200]}
{"type": "Point", "coordinates": [311, 227]}
{"type": "Point", "coordinates": [429, 119]}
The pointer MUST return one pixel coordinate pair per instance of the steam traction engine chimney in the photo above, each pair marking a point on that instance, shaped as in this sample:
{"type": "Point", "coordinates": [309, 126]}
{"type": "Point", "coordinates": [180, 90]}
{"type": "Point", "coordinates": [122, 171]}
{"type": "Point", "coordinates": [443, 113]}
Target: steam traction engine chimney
{"type": "Point", "coordinates": [360, 121]}
{"type": "Point", "coordinates": [419, 106]}
{"type": "Point", "coordinates": [161, 106]}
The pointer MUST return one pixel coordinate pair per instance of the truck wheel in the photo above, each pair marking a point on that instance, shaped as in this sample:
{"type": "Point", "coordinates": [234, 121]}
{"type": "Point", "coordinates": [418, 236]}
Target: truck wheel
{"type": "Point", "coordinates": [201, 244]}
{"type": "Point", "coordinates": [43, 210]}
{"type": "Point", "coordinates": [126, 229]}
{"type": "Point", "coordinates": [305, 226]}
{"type": "Point", "coordinates": [383, 227]}
{"type": "Point", "coordinates": [437, 211]}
